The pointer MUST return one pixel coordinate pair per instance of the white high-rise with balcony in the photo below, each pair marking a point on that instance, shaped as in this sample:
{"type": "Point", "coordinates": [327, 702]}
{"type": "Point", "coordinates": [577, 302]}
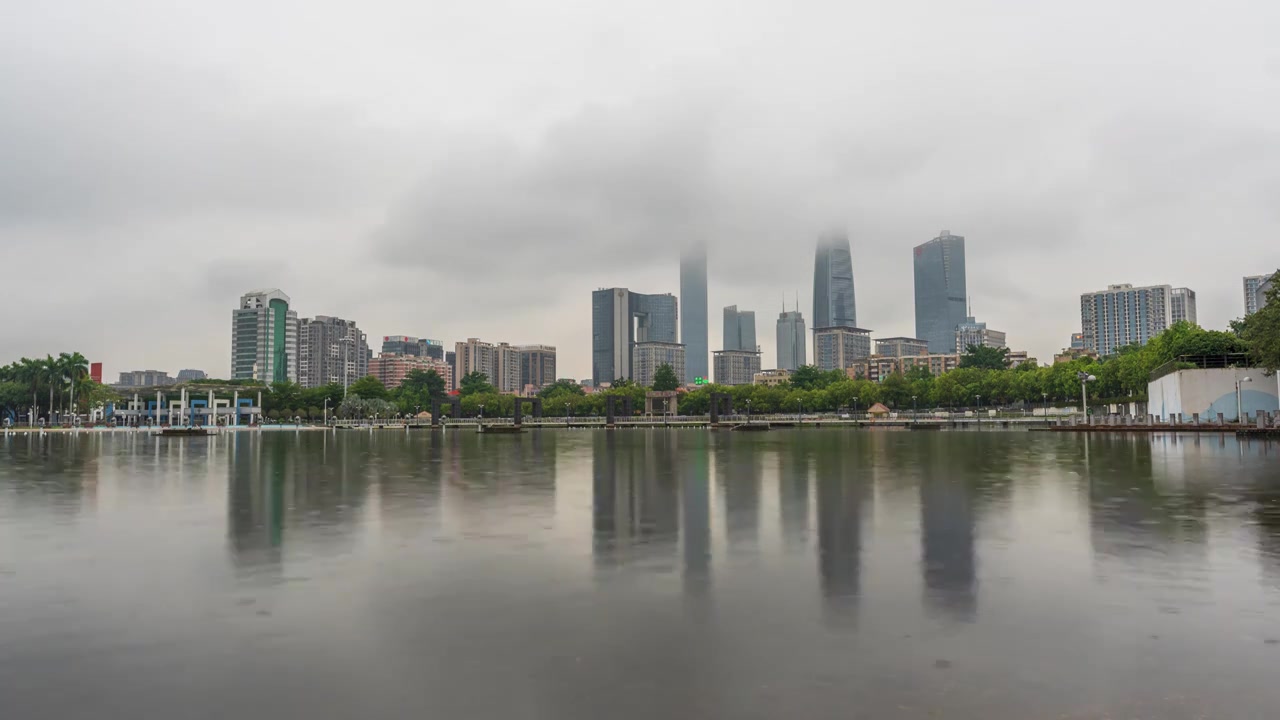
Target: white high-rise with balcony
{"type": "Point", "coordinates": [1124, 315]}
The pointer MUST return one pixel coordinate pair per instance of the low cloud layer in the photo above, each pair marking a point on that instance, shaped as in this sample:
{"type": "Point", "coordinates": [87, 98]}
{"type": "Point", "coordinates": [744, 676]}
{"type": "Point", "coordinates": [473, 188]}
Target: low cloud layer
{"type": "Point", "coordinates": [419, 185]}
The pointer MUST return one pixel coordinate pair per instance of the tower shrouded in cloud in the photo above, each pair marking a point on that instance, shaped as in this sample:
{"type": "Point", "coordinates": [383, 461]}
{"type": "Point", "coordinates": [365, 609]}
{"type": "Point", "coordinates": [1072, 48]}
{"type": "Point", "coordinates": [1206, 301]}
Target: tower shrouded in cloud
{"type": "Point", "coordinates": [833, 303]}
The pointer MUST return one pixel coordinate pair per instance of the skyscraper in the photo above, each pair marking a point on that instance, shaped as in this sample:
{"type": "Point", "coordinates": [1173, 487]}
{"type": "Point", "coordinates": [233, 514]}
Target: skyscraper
{"type": "Point", "coordinates": [619, 320]}
{"type": "Point", "coordinates": [833, 303]}
{"type": "Point", "coordinates": [792, 340]}
{"type": "Point", "coordinates": [1182, 305]}
{"type": "Point", "coordinates": [537, 366]}
{"type": "Point", "coordinates": [499, 363]}
{"type": "Point", "coordinates": [649, 355]}
{"type": "Point", "coordinates": [739, 329]}
{"type": "Point", "coordinates": [835, 348]}
{"type": "Point", "coordinates": [1123, 315]}
{"type": "Point", "coordinates": [264, 338]}
{"type": "Point", "coordinates": [940, 291]}
{"type": "Point", "coordinates": [331, 350]}
{"type": "Point", "coordinates": [409, 345]}
{"type": "Point", "coordinates": [693, 320]}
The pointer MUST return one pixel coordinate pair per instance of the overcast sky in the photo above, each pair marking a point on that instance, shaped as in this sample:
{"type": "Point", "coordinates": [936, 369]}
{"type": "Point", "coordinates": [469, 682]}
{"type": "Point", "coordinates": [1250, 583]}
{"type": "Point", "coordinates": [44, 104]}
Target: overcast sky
{"type": "Point", "coordinates": [477, 168]}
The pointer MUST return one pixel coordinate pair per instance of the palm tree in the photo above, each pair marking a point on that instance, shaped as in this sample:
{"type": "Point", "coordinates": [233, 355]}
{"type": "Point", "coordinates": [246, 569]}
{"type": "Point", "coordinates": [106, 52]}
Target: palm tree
{"type": "Point", "coordinates": [30, 372]}
{"type": "Point", "coordinates": [74, 367]}
{"type": "Point", "coordinates": [51, 373]}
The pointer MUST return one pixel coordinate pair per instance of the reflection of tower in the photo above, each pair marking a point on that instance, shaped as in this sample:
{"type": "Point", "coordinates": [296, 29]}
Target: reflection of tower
{"type": "Point", "coordinates": [793, 496]}
{"type": "Point", "coordinates": [255, 501]}
{"type": "Point", "coordinates": [738, 473]}
{"type": "Point", "coordinates": [839, 527]}
{"type": "Point", "coordinates": [695, 500]}
{"type": "Point", "coordinates": [946, 527]}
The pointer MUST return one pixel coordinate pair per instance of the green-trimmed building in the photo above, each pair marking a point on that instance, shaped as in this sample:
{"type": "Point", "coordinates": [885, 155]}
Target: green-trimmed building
{"type": "Point", "coordinates": [264, 338]}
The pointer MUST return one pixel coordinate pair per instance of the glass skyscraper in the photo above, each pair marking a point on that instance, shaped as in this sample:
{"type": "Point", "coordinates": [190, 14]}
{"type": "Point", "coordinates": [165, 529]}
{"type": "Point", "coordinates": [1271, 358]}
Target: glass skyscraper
{"type": "Point", "coordinates": [739, 329]}
{"type": "Point", "coordinates": [833, 304]}
{"type": "Point", "coordinates": [264, 338]}
{"type": "Point", "coordinates": [940, 291]}
{"type": "Point", "coordinates": [792, 340]}
{"type": "Point", "coordinates": [693, 318]}
{"type": "Point", "coordinates": [619, 320]}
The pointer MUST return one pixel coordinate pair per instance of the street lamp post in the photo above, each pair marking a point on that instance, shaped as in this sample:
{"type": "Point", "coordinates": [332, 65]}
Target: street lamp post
{"type": "Point", "coordinates": [569, 407]}
{"type": "Point", "coordinates": [748, 412]}
{"type": "Point", "coordinates": [326, 412]}
{"type": "Point", "coordinates": [1084, 377]}
{"type": "Point", "coordinates": [855, 408]}
{"type": "Point", "coordinates": [799, 412]}
{"type": "Point", "coordinates": [1239, 405]}
{"type": "Point", "coordinates": [1045, 397]}
{"type": "Point", "coordinates": [915, 414]}
{"type": "Point", "coordinates": [979, 413]}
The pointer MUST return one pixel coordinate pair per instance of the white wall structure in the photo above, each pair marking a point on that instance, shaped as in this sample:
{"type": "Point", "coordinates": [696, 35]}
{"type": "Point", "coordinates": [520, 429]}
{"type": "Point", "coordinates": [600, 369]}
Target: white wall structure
{"type": "Point", "coordinates": [1210, 392]}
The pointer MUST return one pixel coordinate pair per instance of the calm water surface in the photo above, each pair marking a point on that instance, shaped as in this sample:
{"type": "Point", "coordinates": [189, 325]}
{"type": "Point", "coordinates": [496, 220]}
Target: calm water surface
{"type": "Point", "coordinates": [640, 574]}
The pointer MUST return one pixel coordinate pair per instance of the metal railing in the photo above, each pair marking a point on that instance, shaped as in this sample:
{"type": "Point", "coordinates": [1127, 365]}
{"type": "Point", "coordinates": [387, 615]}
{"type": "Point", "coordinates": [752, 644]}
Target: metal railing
{"type": "Point", "coordinates": [1200, 362]}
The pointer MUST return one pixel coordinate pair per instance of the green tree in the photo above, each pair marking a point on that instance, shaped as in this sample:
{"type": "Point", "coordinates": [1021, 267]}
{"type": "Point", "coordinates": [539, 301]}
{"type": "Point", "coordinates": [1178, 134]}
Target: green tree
{"type": "Point", "coordinates": [664, 378]}
{"type": "Point", "coordinates": [985, 358]}
{"type": "Point", "coordinates": [369, 388]}
{"type": "Point", "coordinates": [561, 386]}
{"type": "Point", "coordinates": [75, 368]}
{"type": "Point", "coordinates": [809, 377]}
{"type": "Point", "coordinates": [476, 383]}
{"type": "Point", "coordinates": [1260, 332]}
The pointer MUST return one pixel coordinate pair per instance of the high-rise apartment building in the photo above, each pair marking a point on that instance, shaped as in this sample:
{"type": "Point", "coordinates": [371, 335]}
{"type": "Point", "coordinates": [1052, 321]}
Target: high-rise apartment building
{"type": "Point", "coordinates": [1182, 306]}
{"type": "Point", "coordinates": [499, 363]}
{"type": "Point", "coordinates": [391, 369]}
{"type": "Point", "coordinates": [1260, 297]}
{"type": "Point", "coordinates": [901, 346]}
{"type": "Point", "coordinates": [331, 350]}
{"type": "Point", "coordinates": [144, 378]}
{"type": "Point", "coordinates": [1077, 341]}
{"type": "Point", "coordinates": [940, 290]}
{"type": "Point", "coordinates": [693, 318]}
{"type": "Point", "coordinates": [736, 367]}
{"type": "Point", "coordinates": [1253, 299]}
{"type": "Point", "coordinates": [409, 345]}
{"type": "Point", "coordinates": [833, 301]}
{"type": "Point", "coordinates": [792, 341]}
{"type": "Point", "coordinates": [264, 338]}
{"type": "Point", "coordinates": [1124, 315]}
{"type": "Point", "coordinates": [971, 332]}
{"type": "Point", "coordinates": [537, 366]}
{"type": "Point", "coordinates": [619, 320]}
{"type": "Point", "coordinates": [835, 348]}
{"type": "Point", "coordinates": [739, 329]}
{"type": "Point", "coordinates": [649, 355]}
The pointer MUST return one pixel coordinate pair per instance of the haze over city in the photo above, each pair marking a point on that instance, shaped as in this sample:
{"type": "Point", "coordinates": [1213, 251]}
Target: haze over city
{"type": "Point", "coordinates": [478, 170]}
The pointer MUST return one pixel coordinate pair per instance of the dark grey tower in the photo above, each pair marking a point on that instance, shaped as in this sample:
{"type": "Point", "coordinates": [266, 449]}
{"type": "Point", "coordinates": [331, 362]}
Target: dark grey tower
{"type": "Point", "coordinates": [739, 329]}
{"type": "Point", "coordinates": [619, 320]}
{"type": "Point", "coordinates": [940, 291]}
{"type": "Point", "coordinates": [693, 317]}
{"type": "Point", "coordinates": [833, 303]}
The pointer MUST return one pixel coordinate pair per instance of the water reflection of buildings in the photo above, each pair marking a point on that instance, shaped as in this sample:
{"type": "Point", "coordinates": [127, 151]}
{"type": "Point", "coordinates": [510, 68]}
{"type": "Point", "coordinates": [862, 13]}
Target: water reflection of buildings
{"type": "Point", "coordinates": [635, 504]}
{"type": "Point", "coordinates": [793, 497]}
{"type": "Point", "coordinates": [1133, 515]}
{"type": "Point", "coordinates": [738, 475]}
{"type": "Point", "coordinates": [841, 495]}
{"type": "Point", "coordinates": [947, 532]}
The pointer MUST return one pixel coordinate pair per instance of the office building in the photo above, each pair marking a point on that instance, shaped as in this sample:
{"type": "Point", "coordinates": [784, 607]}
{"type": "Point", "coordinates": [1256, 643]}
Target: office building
{"type": "Point", "coordinates": [409, 345]}
{"type": "Point", "coordinates": [649, 355]}
{"type": "Point", "coordinates": [936, 363]}
{"type": "Point", "coordinates": [736, 367]}
{"type": "Point", "coordinates": [835, 348]}
{"type": "Point", "coordinates": [739, 329]}
{"type": "Point", "coordinates": [537, 366]}
{"type": "Point", "coordinates": [391, 369]}
{"type": "Point", "coordinates": [1251, 285]}
{"type": "Point", "coordinates": [1182, 306]}
{"type": "Point", "coordinates": [144, 378]}
{"type": "Point", "coordinates": [190, 375]}
{"type": "Point", "coordinates": [95, 372]}
{"type": "Point", "coordinates": [772, 378]}
{"type": "Point", "coordinates": [1077, 342]}
{"type": "Point", "coordinates": [878, 367]}
{"type": "Point", "coordinates": [620, 319]}
{"type": "Point", "coordinates": [792, 341]}
{"type": "Point", "coordinates": [1124, 315]}
{"type": "Point", "coordinates": [499, 363]}
{"type": "Point", "coordinates": [833, 301]}
{"type": "Point", "coordinates": [264, 338]}
{"type": "Point", "coordinates": [971, 332]}
{"type": "Point", "coordinates": [693, 315]}
{"type": "Point", "coordinates": [900, 346]}
{"type": "Point", "coordinates": [940, 290]}
{"type": "Point", "coordinates": [331, 350]}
